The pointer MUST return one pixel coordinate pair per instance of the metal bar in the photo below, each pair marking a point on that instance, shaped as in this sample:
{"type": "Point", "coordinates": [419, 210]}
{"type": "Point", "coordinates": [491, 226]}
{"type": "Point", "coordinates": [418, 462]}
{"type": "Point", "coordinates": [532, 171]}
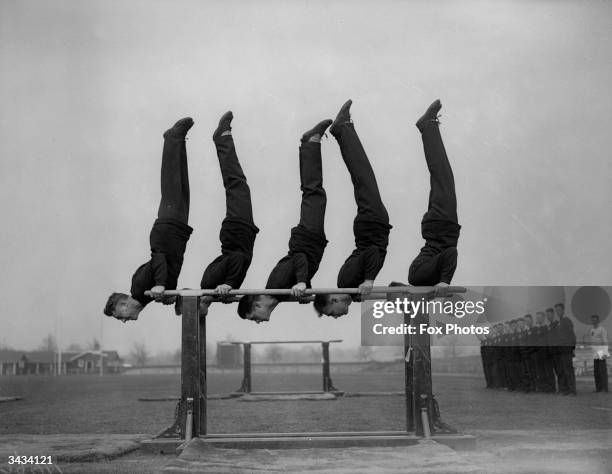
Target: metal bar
{"type": "Point", "coordinates": [284, 342]}
{"type": "Point", "coordinates": [413, 290]}
{"type": "Point", "coordinates": [286, 299]}
{"type": "Point", "coordinates": [301, 392]}
{"type": "Point", "coordinates": [311, 434]}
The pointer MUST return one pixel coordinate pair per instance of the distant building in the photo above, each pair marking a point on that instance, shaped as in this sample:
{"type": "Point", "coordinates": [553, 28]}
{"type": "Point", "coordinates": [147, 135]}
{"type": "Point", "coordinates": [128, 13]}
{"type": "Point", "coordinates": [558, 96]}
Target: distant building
{"type": "Point", "coordinates": [46, 363]}
{"type": "Point", "coordinates": [27, 362]}
{"type": "Point", "coordinates": [88, 362]}
{"type": "Point", "coordinates": [229, 355]}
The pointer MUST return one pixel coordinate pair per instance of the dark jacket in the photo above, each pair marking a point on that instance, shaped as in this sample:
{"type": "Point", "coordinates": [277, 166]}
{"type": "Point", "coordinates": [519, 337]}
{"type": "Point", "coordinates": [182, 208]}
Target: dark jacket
{"type": "Point", "coordinates": [237, 241]}
{"type": "Point", "coordinates": [366, 261]}
{"type": "Point", "coordinates": [301, 263]}
{"type": "Point", "coordinates": [168, 240]}
{"type": "Point", "coordinates": [567, 337]}
{"type": "Point", "coordinates": [554, 338]}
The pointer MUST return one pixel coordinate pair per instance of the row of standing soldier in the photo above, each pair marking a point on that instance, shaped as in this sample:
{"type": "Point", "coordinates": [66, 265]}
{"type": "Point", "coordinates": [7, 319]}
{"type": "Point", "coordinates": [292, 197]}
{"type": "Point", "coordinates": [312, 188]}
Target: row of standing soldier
{"type": "Point", "coordinates": [532, 354]}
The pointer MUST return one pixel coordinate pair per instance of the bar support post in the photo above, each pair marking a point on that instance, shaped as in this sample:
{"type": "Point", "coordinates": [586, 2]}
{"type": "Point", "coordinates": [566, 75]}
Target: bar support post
{"type": "Point", "coordinates": [247, 368]}
{"type": "Point", "coordinates": [421, 370]}
{"type": "Point", "coordinates": [202, 404]}
{"type": "Point", "coordinates": [193, 373]}
{"type": "Point", "coordinates": [325, 363]}
{"type": "Point", "coordinates": [408, 376]}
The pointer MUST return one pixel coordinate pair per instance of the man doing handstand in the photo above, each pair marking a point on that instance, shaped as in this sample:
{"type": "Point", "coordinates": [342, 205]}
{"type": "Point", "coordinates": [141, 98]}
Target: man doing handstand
{"type": "Point", "coordinates": [307, 241]}
{"type": "Point", "coordinates": [437, 261]}
{"type": "Point", "coordinates": [370, 227]}
{"type": "Point", "coordinates": [238, 231]}
{"type": "Point", "coordinates": [169, 235]}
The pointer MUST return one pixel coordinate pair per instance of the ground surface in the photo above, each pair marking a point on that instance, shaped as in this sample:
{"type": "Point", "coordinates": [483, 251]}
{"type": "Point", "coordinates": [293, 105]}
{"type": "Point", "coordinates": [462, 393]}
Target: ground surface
{"type": "Point", "coordinates": [517, 432]}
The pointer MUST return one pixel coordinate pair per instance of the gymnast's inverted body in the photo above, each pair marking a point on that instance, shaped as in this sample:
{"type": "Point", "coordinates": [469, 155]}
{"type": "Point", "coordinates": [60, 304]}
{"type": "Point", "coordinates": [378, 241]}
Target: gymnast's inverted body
{"type": "Point", "coordinates": [435, 264]}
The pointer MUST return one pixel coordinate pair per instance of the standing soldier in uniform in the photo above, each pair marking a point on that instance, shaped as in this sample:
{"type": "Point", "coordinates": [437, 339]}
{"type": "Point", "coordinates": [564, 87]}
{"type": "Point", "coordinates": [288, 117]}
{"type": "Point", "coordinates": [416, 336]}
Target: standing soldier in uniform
{"type": "Point", "coordinates": [530, 344]}
{"type": "Point", "coordinates": [515, 356]}
{"type": "Point", "coordinates": [548, 356]}
{"type": "Point", "coordinates": [567, 345]}
{"type": "Point", "coordinates": [499, 356]}
{"type": "Point", "coordinates": [553, 349]}
{"type": "Point", "coordinates": [521, 335]}
{"type": "Point", "coordinates": [494, 352]}
{"type": "Point", "coordinates": [506, 342]}
{"type": "Point", "coordinates": [540, 353]}
{"type": "Point", "coordinates": [485, 355]}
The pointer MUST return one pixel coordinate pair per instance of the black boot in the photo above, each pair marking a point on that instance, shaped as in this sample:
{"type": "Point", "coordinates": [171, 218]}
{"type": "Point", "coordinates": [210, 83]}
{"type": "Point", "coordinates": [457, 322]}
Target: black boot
{"type": "Point", "coordinates": [179, 129]}
{"type": "Point", "coordinates": [224, 124]}
{"type": "Point", "coordinates": [344, 116]}
{"type": "Point", "coordinates": [430, 116]}
{"type": "Point", "coordinates": [318, 129]}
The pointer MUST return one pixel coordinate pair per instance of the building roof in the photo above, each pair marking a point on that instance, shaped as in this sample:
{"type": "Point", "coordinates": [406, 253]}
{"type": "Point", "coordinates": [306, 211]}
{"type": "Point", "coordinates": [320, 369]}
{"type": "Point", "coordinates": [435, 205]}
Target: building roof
{"type": "Point", "coordinates": [32, 356]}
{"type": "Point", "coordinates": [110, 355]}
{"type": "Point", "coordinates": [11, 355]}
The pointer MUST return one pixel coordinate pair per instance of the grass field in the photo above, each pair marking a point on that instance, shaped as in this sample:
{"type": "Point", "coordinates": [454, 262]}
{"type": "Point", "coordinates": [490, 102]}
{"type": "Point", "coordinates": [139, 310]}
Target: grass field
{"type": "Point", "coordinates": [516, 432]}
{"type": "Point", "coordinates": [92, 404]}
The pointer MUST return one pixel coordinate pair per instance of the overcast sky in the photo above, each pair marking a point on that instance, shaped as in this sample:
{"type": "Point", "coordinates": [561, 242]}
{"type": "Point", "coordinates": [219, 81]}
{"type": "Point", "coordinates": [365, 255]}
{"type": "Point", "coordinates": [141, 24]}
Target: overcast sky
{"type": "Point", "coordinates": [87, 89]}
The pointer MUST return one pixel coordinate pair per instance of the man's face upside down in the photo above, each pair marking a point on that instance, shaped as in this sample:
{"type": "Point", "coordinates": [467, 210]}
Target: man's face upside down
{"type": "Point", "coordinates": [337, 305]}
{"type": "Point", "coordinates": [126, 310]}
{"type": "Point", "coordinates": [262, 308]}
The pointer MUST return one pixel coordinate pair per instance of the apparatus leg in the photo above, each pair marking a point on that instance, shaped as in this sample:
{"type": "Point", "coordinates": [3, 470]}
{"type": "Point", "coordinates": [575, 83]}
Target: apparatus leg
{"type": "Point", "coordinates": [328, 385]}
{"type": "Point", "coordinates": [193, 366]}
{"type": "Point", "coordinates": [408, 376]}
{"type": "Point", "coordinates": [422, 391]}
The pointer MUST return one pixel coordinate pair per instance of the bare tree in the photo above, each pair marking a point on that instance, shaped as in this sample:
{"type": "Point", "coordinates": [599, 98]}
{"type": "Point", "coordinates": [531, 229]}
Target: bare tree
{"type": "Point", "coordinates": [49, 344]}
{"type": "Point", "coordinates": [139, 354]}
{"type": "Point", "coordinates": [74, 347]}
